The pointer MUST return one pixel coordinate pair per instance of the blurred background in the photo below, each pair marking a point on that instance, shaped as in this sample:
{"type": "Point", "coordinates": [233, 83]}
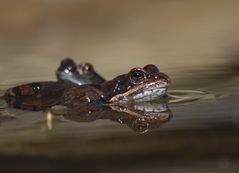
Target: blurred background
{"type": "Point", "coordinates": [115, 35]}
{"type": "Point", "coordinates": [195, 42]}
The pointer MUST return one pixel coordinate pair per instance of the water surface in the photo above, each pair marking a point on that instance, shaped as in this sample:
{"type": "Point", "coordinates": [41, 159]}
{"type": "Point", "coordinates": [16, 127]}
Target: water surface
{"type": "Point", "coordinates": [202, 131]}
{"type": "Point", "coordinates": [194, 42]}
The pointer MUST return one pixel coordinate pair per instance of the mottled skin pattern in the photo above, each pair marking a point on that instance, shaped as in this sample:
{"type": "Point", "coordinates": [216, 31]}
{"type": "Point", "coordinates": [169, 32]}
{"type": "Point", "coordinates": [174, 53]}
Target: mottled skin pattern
{"type": "Point", "coordinates": [82, 95]}
{"type": "Point", "coordinates": [35, 96]}
{"type": "Point", "coordinates": [140, 84]}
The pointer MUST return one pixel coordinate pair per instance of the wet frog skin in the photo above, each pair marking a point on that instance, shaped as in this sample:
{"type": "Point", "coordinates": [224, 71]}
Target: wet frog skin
{"type": "Point", "coordinates": [35, 96]}
{"type": "Point", "coordinates": [81, 74]}
{"type": "Point", "coordinates": [140, 84]}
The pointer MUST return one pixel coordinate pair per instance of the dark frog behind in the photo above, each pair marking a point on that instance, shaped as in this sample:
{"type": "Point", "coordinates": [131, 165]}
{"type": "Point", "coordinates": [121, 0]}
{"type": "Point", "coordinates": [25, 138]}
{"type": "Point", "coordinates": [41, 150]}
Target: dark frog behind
{"type": "Point", "coordinates": [140, 84]}
{"type": "Point", "coordinates": [81, 74]}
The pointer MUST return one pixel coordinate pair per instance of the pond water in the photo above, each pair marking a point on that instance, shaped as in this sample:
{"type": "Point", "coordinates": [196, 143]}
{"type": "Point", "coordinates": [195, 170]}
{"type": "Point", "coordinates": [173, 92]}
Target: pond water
{"type": "Point", "coordinates": [199, 132]}
{"type": "Point", "coordinates": [194, 42]}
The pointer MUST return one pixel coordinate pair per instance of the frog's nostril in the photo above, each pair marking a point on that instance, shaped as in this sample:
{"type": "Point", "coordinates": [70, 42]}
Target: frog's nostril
{"type": "Point", "coordinates": [167, 80]}
{"type": "Point", "coordinates": [164, 78]}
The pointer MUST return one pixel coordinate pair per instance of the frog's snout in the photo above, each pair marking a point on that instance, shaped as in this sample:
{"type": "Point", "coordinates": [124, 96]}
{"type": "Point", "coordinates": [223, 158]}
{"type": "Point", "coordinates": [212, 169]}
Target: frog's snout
{"type": "Point", "coordinates": [163, 78]}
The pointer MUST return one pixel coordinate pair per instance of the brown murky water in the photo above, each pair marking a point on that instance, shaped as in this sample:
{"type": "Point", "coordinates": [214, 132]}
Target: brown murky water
{"type": "Point", "coordinates": [194, 42]}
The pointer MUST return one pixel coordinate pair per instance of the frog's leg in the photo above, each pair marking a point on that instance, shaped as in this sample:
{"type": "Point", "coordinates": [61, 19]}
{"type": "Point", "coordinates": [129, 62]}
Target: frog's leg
{"type": "Point", "coordinates": [86, 96]}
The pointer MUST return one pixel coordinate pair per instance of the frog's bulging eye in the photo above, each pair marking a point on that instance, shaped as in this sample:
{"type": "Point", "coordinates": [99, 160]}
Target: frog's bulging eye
{"type": "Point", "coordinates": [140, 125]}
{"type": "Point", "coordinates": [137, 76]}
{"type": "Point", "coordinates": [150, 68]}
{"type": "Point", "coordinates": [86, 68]}
{"type": "Point", "coordinates": [67, 65]}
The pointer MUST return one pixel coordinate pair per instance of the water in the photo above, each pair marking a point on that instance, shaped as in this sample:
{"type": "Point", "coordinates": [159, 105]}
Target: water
{"type": "Point", "coordinates": [200, 135]}
{"type": "Point", "coordinates": [194, 42]}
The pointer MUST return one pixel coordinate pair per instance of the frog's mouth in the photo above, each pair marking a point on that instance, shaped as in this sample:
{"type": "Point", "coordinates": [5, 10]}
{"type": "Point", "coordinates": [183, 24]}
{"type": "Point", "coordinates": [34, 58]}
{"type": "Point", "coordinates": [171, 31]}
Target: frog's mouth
{"type": "Point", "coordinates": [143, 109]}
{"type": "Point", "coordinates": [143, 92]}
{"type": "Point", "coordinates": [148, 108]}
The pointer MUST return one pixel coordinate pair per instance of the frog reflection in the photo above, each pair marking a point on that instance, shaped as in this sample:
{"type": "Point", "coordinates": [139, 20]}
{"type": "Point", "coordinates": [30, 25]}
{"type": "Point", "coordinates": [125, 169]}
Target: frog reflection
{"type": "Point", "coordinates": [140, 117]}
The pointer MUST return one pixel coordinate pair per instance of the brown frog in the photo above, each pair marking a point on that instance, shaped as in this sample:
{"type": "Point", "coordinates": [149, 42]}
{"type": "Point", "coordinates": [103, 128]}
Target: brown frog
{"type": "Point", "coordinates": [140, 84]}
{"type": "Point", "coordinates": [139, 116]}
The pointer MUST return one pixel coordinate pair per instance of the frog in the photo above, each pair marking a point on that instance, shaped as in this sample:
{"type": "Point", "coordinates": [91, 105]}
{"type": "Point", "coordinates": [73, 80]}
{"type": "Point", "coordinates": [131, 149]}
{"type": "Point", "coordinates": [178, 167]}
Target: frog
{"type": "Point", "coordinates": [141, 117]}
{"type": "Point", "coordinates": [138, 85]}
{"type": "Point", "coordinates": [84, 73]}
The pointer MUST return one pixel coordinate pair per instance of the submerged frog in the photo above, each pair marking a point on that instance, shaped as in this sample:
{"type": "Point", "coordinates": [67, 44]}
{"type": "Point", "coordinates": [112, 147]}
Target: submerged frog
{"type": "Point", "coordinates": [140, 84]}
{"type": "Point", "coordinates": [83, 73]}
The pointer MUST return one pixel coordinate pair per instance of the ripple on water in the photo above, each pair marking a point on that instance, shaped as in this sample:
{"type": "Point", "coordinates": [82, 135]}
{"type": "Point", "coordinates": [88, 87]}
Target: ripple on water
{"type": "Point", "coordinates": [182, 96]}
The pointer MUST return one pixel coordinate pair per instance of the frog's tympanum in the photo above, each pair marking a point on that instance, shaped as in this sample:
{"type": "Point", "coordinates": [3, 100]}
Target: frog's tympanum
{"type": "Point", "coordinates": [83, 73]}
{"type": "Point", "coordinates": [140, 84]}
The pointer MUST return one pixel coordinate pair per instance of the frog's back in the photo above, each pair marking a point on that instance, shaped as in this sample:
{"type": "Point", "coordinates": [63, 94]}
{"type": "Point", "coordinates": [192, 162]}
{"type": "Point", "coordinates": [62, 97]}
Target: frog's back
{"type": "Point", "coordinates": [42, 95]}
{"type": "Point", "coordinates": [36, 95]}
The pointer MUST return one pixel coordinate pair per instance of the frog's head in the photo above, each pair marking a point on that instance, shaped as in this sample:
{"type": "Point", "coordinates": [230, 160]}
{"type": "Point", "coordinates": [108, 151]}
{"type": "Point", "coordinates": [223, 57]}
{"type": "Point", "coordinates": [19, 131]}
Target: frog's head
{"type": "Point", "coordinates": [140, 84]}
{"type": "Point", "coordinates": [68, 72]}
{"type": "Point", "coordinates": [83, 73]}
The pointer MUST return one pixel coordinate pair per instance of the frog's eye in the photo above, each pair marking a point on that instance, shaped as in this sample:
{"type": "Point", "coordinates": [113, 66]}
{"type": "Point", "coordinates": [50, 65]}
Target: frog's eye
{"type": "Point", "coordinates": [67, 65]}
{"type": "Point", "coordinates": [86, 68]}
{"type": "Point", "coordinates": [137, 75]}
{"type": "Point", "coordinates": [150, 68]}
{"type": "Point", "coordinates": [140, 125]}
